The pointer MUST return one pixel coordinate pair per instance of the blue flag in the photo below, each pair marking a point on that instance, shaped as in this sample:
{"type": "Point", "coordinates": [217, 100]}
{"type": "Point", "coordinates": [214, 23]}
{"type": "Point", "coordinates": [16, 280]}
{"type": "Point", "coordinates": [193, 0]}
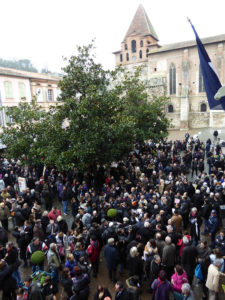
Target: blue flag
{"type": "Point", "coordinates": [209, 74]}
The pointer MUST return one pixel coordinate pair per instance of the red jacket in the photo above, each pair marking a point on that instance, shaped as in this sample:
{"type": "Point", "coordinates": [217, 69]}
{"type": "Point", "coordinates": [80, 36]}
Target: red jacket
{"type": "Point", "coordinates": [93, 251]}
{"type": "Point", "coordinates": [53, 216]}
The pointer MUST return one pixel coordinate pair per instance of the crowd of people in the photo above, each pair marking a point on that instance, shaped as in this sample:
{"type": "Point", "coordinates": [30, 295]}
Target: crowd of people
{"type": "Point", "coordinates": [155, 220]}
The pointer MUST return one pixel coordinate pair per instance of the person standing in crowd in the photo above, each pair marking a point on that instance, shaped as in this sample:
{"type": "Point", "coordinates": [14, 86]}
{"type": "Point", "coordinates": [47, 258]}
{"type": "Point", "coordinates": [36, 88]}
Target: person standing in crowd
{"type": "Point", "coordinates": [121, 292]}
{"type": "Point", "coordinates": [187, 292]}
{"type": "Point", "coordinates": [213, 223]}
{"type": "Point", "coordinates": [112, 258]}
{"type": "Point", "coordinates": [161, 287]}
{"type": "Point", "coordinates": [212, 282]}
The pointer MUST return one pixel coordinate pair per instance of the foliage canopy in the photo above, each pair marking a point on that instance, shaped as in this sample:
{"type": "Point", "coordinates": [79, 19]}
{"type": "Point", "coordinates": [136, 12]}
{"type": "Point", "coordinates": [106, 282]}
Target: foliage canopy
{"type": "Point", "coordinates": [99, 117]}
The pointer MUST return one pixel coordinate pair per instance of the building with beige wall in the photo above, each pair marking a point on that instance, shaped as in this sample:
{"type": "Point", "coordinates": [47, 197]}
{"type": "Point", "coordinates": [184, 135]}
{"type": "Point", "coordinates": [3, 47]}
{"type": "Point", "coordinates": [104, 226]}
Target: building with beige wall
{"type": "Point", "coordinates": [16, 85]}
{"type": "Point", "coordinates": [174, 70]}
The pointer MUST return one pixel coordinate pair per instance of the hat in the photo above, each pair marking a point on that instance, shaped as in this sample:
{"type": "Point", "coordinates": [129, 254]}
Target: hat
{"type": "Point", "coordinates": [213, 211]}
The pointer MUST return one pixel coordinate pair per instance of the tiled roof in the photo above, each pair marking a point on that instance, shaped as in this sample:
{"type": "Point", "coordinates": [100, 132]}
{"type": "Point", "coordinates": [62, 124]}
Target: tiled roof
{"type": "Point", "coordinates": [188, 44]}
{"type": "Point", "coordinates": [141, 25]}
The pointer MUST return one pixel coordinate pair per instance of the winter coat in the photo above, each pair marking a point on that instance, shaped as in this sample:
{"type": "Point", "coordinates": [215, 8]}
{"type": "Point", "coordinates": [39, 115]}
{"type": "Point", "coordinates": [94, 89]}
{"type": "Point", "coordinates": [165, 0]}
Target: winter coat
{"type": "Point", "coordinates": [70, 265]}
{"type": "Point", "coordinates": [213, 224]}
{"type": "Point", "coordinates": [93, 251]}
{"type": "Point", "coordinates": [168, 257]}
{"type": "Point", "coordinates": [178, 280]}
{"type": "Point", "coordinates": [220, 243]}
{"type": "Point", "coordinates": [135, 266]}
{"type": "Point", "coordinates": [80, 285]}
{"type": "Point", "coordinates": [188, 259]}
{"type": "Point", "coordinates": [4, 213]}
{"type": "Point", "coordinates": [63, 227]}
{"type": "Point", "coordinates": [112, 256]}
{"type": "Point", "coordinates": [212, 282]}
{"type": "Point", "coordinates": [3, 235]}
{"type": "Point", "coordinates": [19, 218]}
{"type": "Point", "coordinates": [162, 289]}
{"type": "Point", "coordinates": [34, 292]}
{"type": "Point", "coordinates": [124, 295]}
{"type": "Point", "coordinates": [53, 259]}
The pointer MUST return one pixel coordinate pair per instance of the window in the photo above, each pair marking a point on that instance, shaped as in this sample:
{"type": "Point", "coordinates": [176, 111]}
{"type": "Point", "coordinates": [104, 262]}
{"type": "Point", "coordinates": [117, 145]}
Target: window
{"type": "Point", "coordinates": [172, 79]}
{"type": "Point", "coordinates": [203, 107]}
{"type": "Point", "coordinates": [125, 47]}
{"type": "Point", "coordinates": [127, 55]}
{"type": "Point", "coordinates": [170, 108]}
{"type": "Point", "coordinates": [133, 46]}
{"type": "Point", "coordinates": [50, 95]}
{"type": "Point", "coordinates": [8, 118]}
{"type": "Point", "coordinates": [140, 54]}
{"type": "Point", "coordinates": [121, 57]}
{"type": "Point", "coordinates": [39, 95]}
{"type": "Point", "coordinates": [201, 87]}
{"type": "Point", "coordinates": [22, 90]}
{"type": "Point", "coordinates": [8, 89]}
{"type": "Point", "coordinates": [141, 43]}
{"type": "Point", "coordinates": [147, 51]}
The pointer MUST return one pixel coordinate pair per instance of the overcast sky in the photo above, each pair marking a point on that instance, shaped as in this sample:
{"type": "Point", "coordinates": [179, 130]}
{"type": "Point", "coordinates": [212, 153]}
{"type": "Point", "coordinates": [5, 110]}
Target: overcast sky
{"type": "Point", "coordinates": [46, 30]}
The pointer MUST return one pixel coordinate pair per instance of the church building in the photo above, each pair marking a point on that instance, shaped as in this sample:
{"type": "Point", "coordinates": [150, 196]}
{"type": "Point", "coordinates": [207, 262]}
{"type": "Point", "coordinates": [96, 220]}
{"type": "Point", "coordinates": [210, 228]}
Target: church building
{"type": "Point", "coordinates": [174, 71]}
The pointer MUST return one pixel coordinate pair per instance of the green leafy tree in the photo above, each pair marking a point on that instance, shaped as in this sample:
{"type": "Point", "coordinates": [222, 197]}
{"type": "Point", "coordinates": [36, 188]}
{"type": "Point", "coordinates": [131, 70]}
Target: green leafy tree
{"type": "Point", "coordinates": [25, 135]}
{"type": "Point", "coordinates": [100, 116]}
{"type": "Point", "coordinates": [21, 64]}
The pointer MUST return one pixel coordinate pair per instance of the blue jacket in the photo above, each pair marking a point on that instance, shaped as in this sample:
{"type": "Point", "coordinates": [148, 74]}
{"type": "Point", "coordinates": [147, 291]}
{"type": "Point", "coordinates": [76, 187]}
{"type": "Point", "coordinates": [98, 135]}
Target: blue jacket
{"type": "Point", "coordinates": [213, 224]}
{"type": "Point", "coordinates": [112, 256]}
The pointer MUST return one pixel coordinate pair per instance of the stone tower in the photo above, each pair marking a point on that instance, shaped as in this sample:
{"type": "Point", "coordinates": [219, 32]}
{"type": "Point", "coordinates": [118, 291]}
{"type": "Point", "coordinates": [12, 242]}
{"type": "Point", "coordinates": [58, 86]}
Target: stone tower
{"type": "Point", "coordinates": [139, 40]}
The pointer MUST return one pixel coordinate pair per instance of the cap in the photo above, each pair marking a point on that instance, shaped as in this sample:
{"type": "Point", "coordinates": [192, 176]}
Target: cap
{"type": "Point", "coordinates": [213, 211]}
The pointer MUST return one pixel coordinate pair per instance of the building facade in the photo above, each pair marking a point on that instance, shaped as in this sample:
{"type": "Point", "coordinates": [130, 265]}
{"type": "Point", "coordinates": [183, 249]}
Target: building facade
{"type": "Point", "coordinates": [174, 71]}
{"type": "Point", "coordinates": [17, 85]}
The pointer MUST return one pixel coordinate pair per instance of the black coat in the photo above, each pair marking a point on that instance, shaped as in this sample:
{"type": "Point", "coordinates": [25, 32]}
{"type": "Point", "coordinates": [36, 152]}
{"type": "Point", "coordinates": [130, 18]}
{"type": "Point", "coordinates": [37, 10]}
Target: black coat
{"type": "Point", "coordinates": [135, 266]}
{"type": "Point", "coordinates": [188, 259]}
{"type": "Point", "coordinates": [122, 296]}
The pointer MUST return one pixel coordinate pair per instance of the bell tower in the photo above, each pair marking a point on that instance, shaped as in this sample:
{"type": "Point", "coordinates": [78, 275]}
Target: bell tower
{"type": "Point", "coordinates": [139, 40]}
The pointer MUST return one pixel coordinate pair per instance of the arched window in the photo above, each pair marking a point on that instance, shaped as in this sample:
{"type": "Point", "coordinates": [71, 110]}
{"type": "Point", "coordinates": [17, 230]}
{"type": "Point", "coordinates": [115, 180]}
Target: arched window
{"type": "Point", "coordinates": [140, 54]}
{"type": "Point", "coordinates": [127, 55]}
{"type": "Point", "coordinates": [172, 79]}
{"type": "Point", "coordinates": [141, 43]}
{"type": "Point", "coordinates": [170, 108]}
{"type": "Point", "coordinates": [121, 57]}
{"type": "Point", "coordinates": [8, 89]}
{"type": "Point", "coordinates": [147, 51]}
{"type": "Point", "coordinates": [203, 107]}
{"type": "Point", "coordinates": [201, 87]}
{"type": "Point", "coordinates": [133, 46]}
{"type": "Point", "coordinates": [125, 47]}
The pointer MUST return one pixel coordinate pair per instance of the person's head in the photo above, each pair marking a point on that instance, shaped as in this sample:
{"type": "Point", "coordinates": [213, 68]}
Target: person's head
{"type": "Point", "coordinates": [9, 246]}
{"type": "Point", "coordinates": [77, 270]}
{"type": "Point", "coordinates": [53, 246]}
{"type": "Point", "coordinates": [133, 252]}
{"type": "Point", "coordinates": [217, 263]}
{"type": "Point", "coordinates": [59, 218]}
{"type": "Point", "coordinates": [179, 269]}
{"type": "Point", "coordinates": [65, 272]}
{"type": "Point", "coordinates": [186, 289]}
{"type": "Point", "coordinates": [157, 259]}
{"type": "Point", "coordinates": [111, 241]}
{"type": "Point", "coordinates": [222, 234]}
{"type": "Point", "coordinates": [70, 257]}
{"type": "Point", "coordinates": [28, 281]}
{"type": "Point", "coordinates": [185, 240]}
{"type": "Point", "coordinates": [203, 244]}
{"type": "Point", "coordinates": [119, 286]}
{"type": "Point", "coordinates": [168, 240]}
{"type": "Point", "coordinates": [20, 292]}
{"type": "Point", "coordinates": [36, 241]}
{"type": "Point", "coordinates": [162, 275]}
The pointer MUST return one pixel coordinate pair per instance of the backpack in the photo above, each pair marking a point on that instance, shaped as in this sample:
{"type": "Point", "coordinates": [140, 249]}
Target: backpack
{"type": "Point", "coordinates": [198, 272]}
